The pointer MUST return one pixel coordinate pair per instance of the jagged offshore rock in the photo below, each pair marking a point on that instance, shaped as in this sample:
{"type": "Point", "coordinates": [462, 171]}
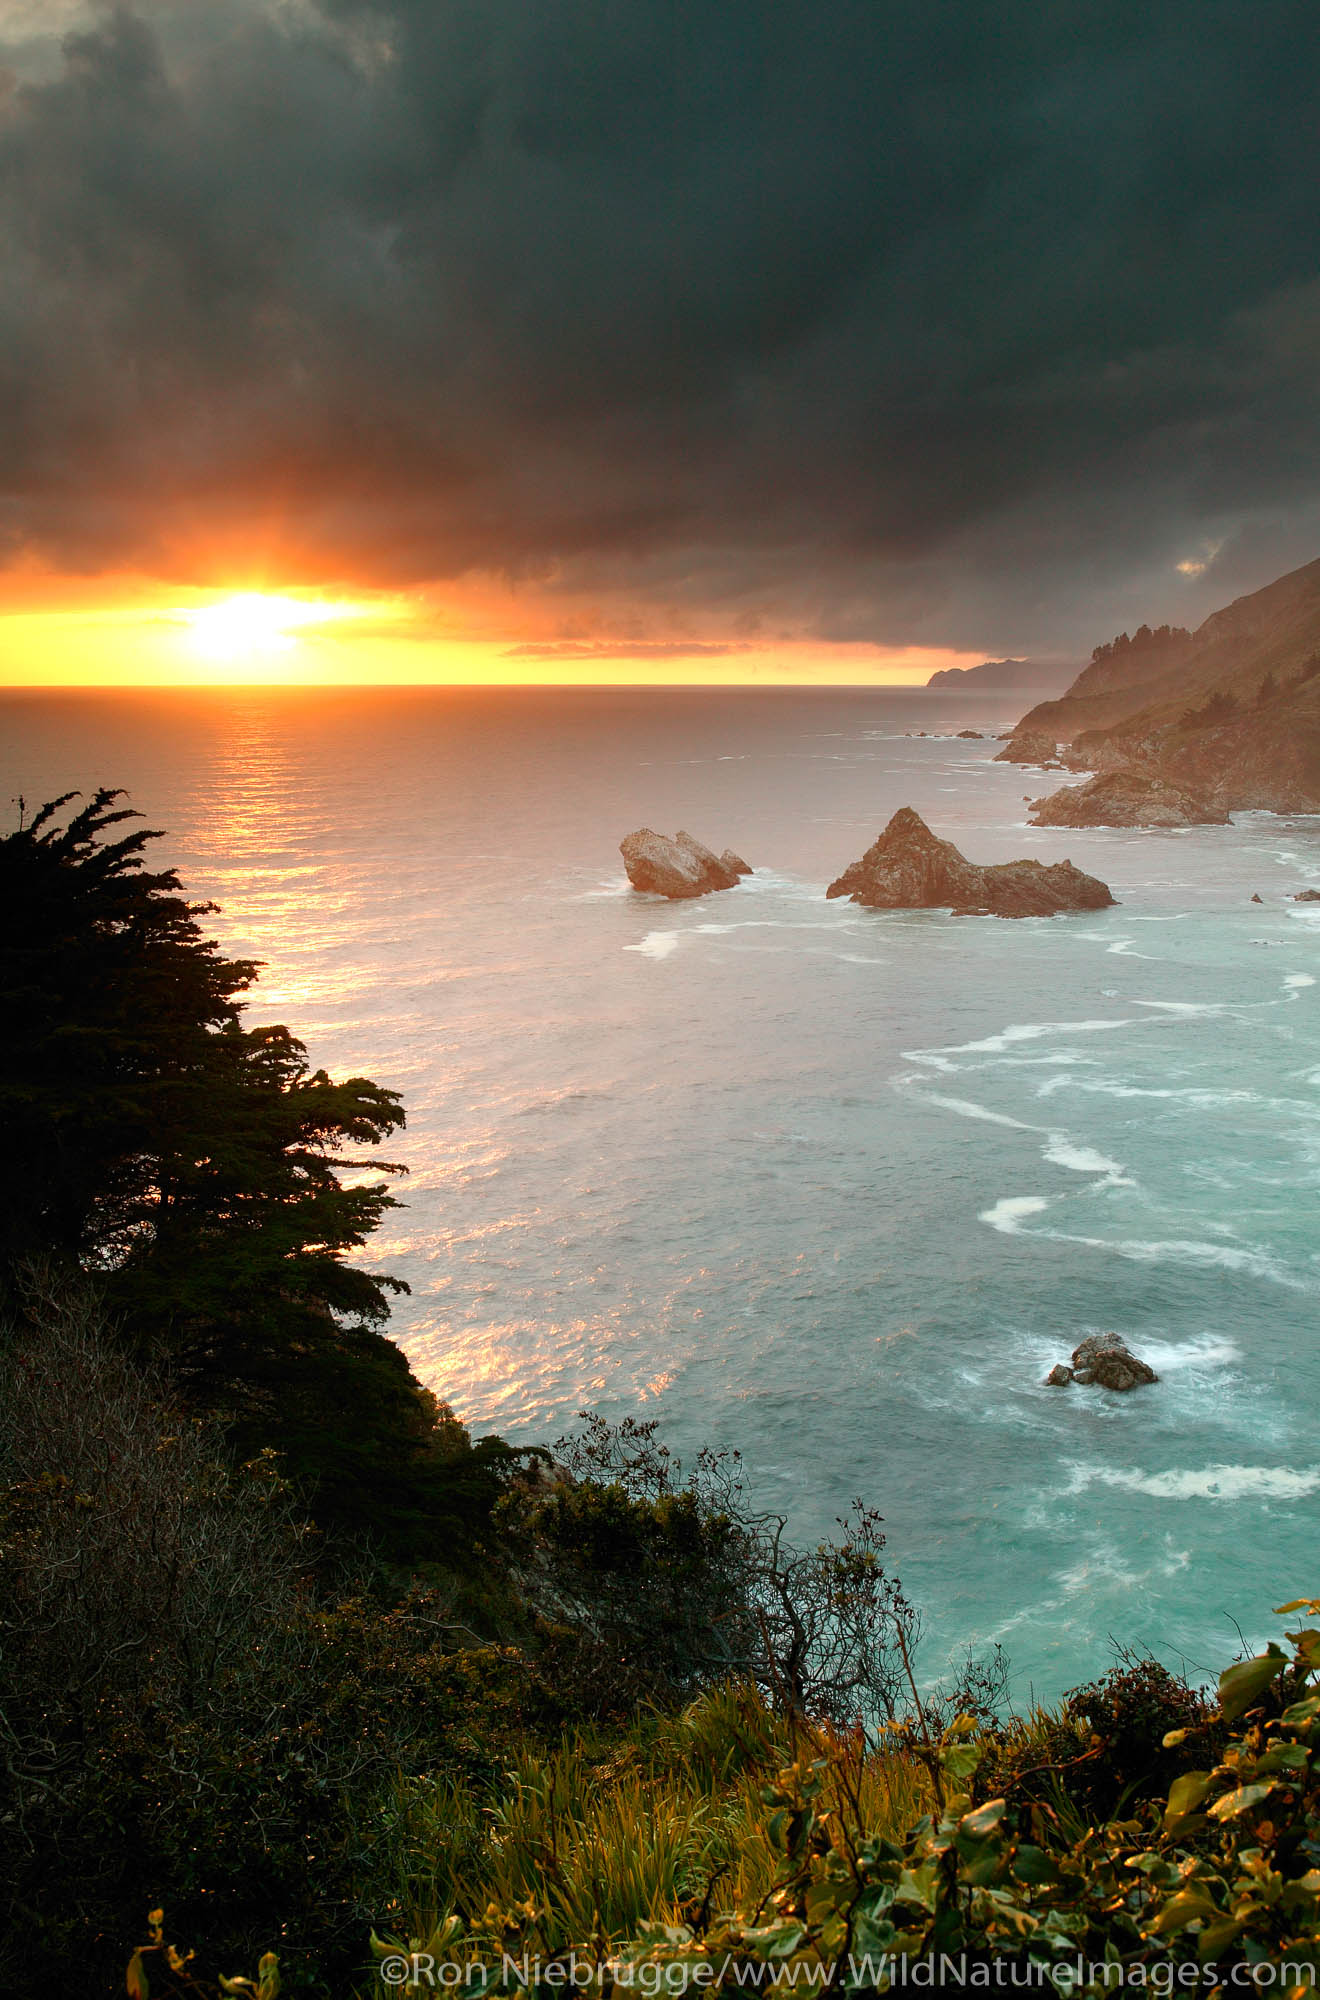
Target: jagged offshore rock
{"type": "Point", "coordinates": [909, 868]}
{"type": "Point", "coordinates": [1105, 1361]}
{"type": "Point", "coordinates": [679, 867]}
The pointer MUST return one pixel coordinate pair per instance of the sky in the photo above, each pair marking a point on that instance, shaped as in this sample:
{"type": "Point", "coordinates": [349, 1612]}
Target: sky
{"type": "Point", "coordinates": [617, 340]}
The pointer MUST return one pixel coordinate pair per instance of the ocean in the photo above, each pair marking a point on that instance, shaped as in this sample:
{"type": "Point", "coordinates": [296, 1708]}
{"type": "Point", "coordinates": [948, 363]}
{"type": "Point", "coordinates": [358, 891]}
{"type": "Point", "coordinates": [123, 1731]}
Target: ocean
{"type": "Point", "coordinates": [829, 1186]}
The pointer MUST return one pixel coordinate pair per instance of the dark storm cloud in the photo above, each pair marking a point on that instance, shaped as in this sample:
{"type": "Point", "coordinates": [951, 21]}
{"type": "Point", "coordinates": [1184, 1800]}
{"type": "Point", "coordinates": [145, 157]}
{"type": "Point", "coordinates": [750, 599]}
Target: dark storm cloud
{"type": "Point", "coordinates": [945, 322]}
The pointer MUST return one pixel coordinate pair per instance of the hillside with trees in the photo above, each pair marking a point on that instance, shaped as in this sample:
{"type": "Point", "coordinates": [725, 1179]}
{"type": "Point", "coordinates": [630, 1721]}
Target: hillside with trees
{"type": "Point", "coordinates": [1231, 712]}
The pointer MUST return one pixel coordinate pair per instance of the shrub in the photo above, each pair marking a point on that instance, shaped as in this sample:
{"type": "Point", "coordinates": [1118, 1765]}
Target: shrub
{"type": "Point", "coordinates": [1126, 1715]}
{"type": "Point", "coordinates": [654, 1582]}
{"type": "Point", "coordinates": [1215, 1886]}
{"type": "Point", "coordinates": [181, 1713]}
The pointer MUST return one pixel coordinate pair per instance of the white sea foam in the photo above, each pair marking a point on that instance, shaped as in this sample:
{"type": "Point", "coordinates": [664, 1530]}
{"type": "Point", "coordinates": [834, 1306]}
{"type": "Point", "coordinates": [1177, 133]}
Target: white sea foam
{"type": "Point", "coordinates": [1184, 1008]}
{"type": "Point", "coordinates": [1007, 1038]}
{"type": "Point", "coordinates": [761, 924]}
{"type": "Point", "coordinates": [616, 886]}
{"type": "Point", "coordinates": [965, 1108]}
{"type": "Point", "coordinates": [1174, 1357]}
{"type": "Point", "coordinates": [1065, 1152]}
{"type": "Point", "coordinates": [1242, 1258]}
{"type": "Point", "coordinates": [1056, 1059]}
{"type": "Point", "coordinates": [1299, 979]}
{"type": "Point", "coordinates": [1209, 1482]}
{"type": "Point", "coordinates": [1010, 1211]}
{"type": "Point", "coordinates": [1200, 1100]}
{"type": "Point", "coordinates": [656, 944]}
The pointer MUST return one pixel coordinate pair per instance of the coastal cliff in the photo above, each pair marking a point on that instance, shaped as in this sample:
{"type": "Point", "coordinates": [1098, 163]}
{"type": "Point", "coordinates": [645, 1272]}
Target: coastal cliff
{"type": "Point", "coordinates": [1229, 714]}
{"type": "Point", "coordinates": [1004, 677]}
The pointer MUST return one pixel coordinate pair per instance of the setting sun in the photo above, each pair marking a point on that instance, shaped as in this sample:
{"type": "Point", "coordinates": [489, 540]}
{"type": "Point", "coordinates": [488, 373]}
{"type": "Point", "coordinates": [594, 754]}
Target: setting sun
{"type": "Point", "coordinates": [254, 622]}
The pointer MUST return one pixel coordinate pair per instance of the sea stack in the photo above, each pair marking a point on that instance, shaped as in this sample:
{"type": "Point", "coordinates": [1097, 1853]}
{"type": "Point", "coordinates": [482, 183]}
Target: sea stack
{"type": "Point", "coordinates": [909, 868]}
{"type": "Point", "coordinates": [680, 867]}
{"type": "Point", "coordinates": [1104, 1360]}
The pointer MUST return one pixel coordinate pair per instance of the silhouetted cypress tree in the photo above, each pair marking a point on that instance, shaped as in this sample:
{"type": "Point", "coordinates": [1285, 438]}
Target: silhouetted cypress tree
{"type": "Point", "coordinates": [193, 1166]}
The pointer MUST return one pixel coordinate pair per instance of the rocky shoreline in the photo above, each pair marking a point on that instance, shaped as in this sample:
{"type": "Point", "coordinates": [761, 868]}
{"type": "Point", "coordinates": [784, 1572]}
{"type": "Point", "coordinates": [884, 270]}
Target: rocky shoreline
{"type": "Point", "coordinates": [1127, 796]}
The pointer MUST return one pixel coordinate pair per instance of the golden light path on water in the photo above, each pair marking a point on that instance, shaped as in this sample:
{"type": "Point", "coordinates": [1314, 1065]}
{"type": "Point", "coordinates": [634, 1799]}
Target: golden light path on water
{"type": "Point", "coordinates": [319, 929]}
{"type": "Point", "coordinates": [352, 963]}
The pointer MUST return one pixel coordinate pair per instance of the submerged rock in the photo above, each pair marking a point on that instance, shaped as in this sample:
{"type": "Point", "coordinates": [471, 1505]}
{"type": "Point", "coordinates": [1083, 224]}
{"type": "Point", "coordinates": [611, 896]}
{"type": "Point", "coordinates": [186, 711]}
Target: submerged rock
{"type": "Point", "coordinates": [679, 867]}
{"type": "Point", "coordinates": [909, 868]}
{"type": "Point", "coordinates": [1126, 796]}
{"type": "Point", "coordinates": [1106, 1361]}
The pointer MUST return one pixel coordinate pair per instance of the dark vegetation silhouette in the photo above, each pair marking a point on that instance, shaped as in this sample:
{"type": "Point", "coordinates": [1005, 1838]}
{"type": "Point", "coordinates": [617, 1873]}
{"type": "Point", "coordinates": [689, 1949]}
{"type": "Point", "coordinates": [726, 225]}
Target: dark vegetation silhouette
{"type": "Point", "coordinates": [1146, 639]}
{"type": "Point", "coordinates": [195, 1167]}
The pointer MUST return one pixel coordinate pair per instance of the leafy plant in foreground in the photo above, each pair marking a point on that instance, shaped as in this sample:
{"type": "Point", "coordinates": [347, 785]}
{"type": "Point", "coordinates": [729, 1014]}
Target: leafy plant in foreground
{"type": "Point", "coordinates": [161, 1968]}
{"type": "Point", "coordinates": [1222, 1874]}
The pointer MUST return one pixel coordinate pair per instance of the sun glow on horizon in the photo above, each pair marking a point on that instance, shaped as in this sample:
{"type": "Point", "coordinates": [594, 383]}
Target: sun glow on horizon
{"type": "Point", "coordinates": [134, 631]}
{"type": "Point", "coordinates": [253, 623]}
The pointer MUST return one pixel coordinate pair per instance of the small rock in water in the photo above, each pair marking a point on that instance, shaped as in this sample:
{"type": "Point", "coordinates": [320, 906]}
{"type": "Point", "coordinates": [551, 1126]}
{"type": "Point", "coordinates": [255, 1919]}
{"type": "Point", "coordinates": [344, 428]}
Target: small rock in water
{"type": "Point", "coordinates": [1059, 1376]}
{"type": "Point", "coordinates": [1258, 899]}
{"type": "Point", "coordinates": [1105, 1360]}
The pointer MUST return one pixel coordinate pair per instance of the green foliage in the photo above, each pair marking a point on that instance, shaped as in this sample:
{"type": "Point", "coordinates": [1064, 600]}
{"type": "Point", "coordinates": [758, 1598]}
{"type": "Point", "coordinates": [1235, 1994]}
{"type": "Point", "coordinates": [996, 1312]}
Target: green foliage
{"type": "Point", "coordinates": [1221, 1876]}
{"type": "Point", "coordinates": [654, 1580]}
{"type": "Point", "coordinates": [1126, 1717]}
{"type": "Point", "coordinates": [1104, 1747]}
{"type": "Point", "coordinates": [184, 1707]}
{"type": "Point", "coordinates": [151, 1135]}
{"type": "Point", "coordinates": [161, 1968]}
{"type": "Point", "coordinates": [602, 1840]}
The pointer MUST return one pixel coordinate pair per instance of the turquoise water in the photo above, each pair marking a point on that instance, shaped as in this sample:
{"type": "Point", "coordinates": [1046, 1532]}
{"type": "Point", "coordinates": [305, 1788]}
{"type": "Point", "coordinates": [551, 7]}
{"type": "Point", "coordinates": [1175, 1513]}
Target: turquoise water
{"type": "Point", "coordinates": [833, 1186]}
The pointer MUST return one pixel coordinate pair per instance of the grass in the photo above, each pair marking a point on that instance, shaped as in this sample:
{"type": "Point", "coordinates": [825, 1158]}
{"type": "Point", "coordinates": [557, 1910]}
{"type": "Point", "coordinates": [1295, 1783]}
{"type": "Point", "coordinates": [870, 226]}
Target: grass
{"type": "Point", "coordinates": [587, 1843]}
